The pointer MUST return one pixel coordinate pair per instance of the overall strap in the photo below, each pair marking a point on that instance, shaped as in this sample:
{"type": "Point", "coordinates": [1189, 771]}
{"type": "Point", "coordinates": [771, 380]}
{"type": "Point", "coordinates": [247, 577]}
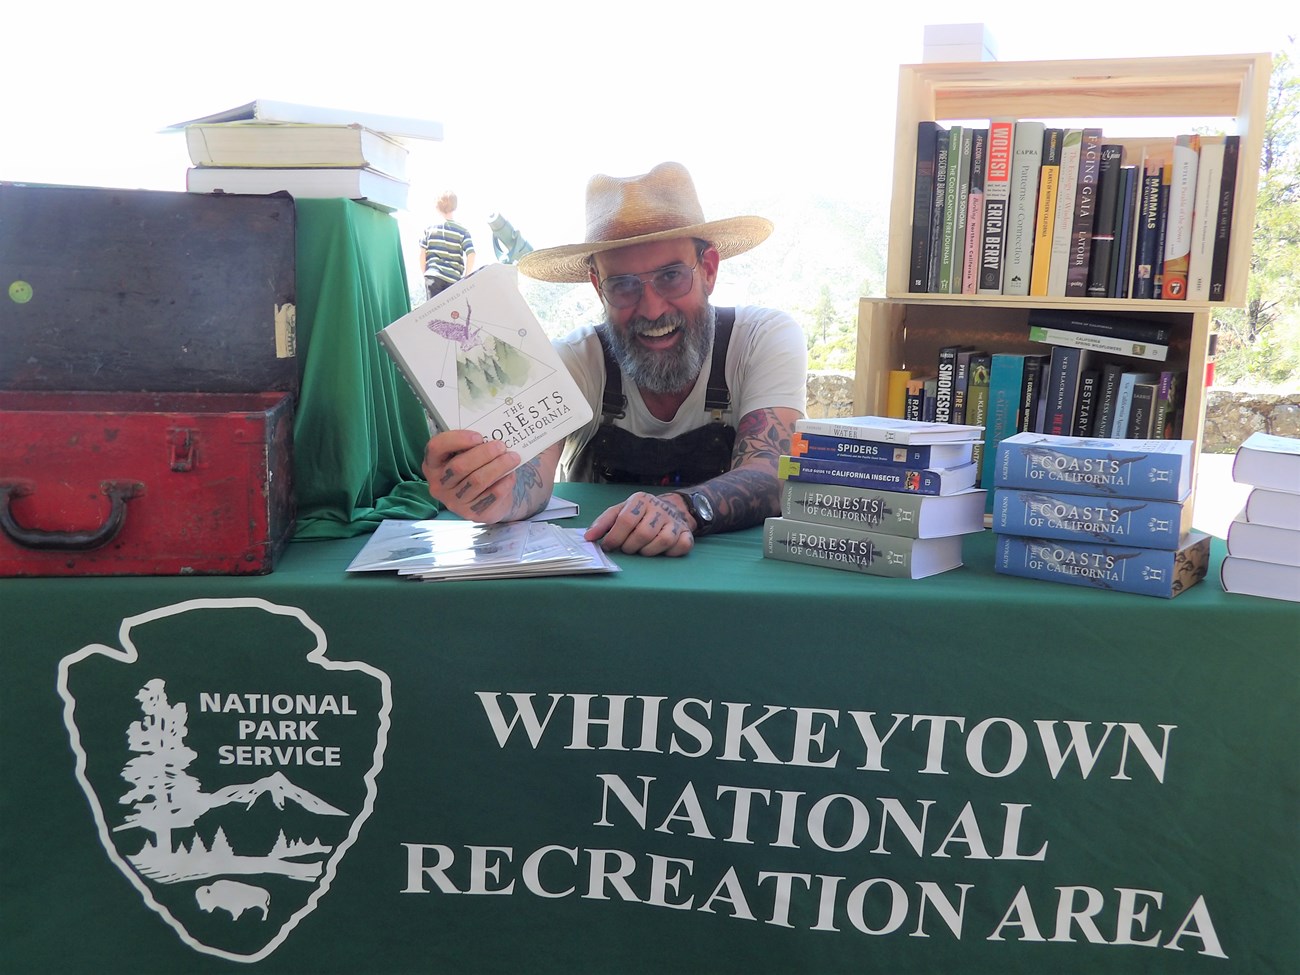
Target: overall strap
{"type": "Point", "coordinates": [717, 396]}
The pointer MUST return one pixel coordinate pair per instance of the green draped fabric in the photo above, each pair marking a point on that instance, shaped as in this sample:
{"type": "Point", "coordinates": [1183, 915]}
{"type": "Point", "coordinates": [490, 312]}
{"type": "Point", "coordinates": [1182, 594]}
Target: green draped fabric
{"type": "Point", "coordinates": [359, 433]}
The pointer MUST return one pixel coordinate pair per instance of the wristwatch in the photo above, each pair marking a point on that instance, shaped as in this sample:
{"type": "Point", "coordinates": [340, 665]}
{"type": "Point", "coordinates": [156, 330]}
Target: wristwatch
{"type": "Point", "coordinates": [700, 508]}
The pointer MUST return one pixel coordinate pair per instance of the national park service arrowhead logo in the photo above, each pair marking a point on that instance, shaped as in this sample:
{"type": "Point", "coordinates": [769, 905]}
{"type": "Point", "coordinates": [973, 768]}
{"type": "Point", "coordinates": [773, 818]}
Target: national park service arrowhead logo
{"type": "Point", "coordinates": [228, 763]}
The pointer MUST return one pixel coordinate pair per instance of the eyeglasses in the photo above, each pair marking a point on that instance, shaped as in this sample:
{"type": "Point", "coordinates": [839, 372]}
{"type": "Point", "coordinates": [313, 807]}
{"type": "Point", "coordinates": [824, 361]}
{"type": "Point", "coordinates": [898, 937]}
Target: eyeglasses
{"type": "Point", "coordinates": [625, 290]}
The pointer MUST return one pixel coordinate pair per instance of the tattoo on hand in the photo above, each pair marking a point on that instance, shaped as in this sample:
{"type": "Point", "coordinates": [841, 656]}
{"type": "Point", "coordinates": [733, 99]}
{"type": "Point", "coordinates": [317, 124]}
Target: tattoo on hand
{"type": "Point", "coordinates": [447, 475]}
{"type": "Point", "coordinates": [483, 503]}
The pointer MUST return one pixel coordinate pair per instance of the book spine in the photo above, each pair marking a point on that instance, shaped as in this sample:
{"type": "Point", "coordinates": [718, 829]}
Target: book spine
{"type": "Point", "coordinates": [1099, 323]}
{"type": "Point", "coordinates": [1142, 407]}
{"type": "Point", "coordinates": [1062, 390]}
{"type": "Point", "coordinates": [1026, 163]}
{"type": "Point", "coordinates": [890, 512]}
{"type": "Point", "coordinates": [1085, 210]}
{"type": "Point", "coordinates": [1067, 188]}
{"type": "Point", "coordinates": [1148, 469]}
{"type": "Point", "coordinates": [1030, 391]}
{"type": "Point", "coordinates": [974, 212]}
{"type": "Point", "coordinates": [1209, 175]}
{"type": "Point", "coordinates": [1123, 403]}
{"type": "Point", "coordinates": [1086, 408]}
{"type": "Point", "coordinates": [961, 384]}
{"type": "Point", "coordinates": [937, 213]}
{"type": "Point", "coordinates": [1005, 374]}
{"type": "Point", "coordinates": [963, 202]}
{"type": "Point", "coordinates": [1144, 261]}
{"type": "Point", "coordinates": [855, 473]}
{"type": "Point", "coordinates": [897, 393]}
{"type": "Point", "coordinates": [1088, 518]}
{"type": "Point", "coordinates": [914, 401]}
{"type": "Point", "coordinates": [943, 386]}
{"type": "Point", "coordinates": [832, 546]}
{"type": "Point", "coordinates": [928, 399]}
{"type": "Point", "coordinates": [1162, 228]}
{"type": "Point", "coordinates": [1099, 343]}
{"type": "Point", "coordinates": [1178, 224]}
{"type": "Point", "coordinates": [977, 401]}
{"type": "Point", "coordinates": [1107, 395]}
{"type": "Point", "coordinates": [1223, 218]}
{"type": "Point", "coordinates": [997, 197]}
{"type": "Point", "coordinates": [1105, 220]}
{"type": "Point", "coordinates": [1121, 264]}
{"type": "Point", "coordinates": [950, 209]}
{"type": "Point", "coordinates": [1121, 568]}
{"type": "Point", "coordinates": [922, 205]}
{"type": "Point", "coordinates": [835, 448]}
{"type": "Point", "coordinates": [1168, 395]}
{"type": "Point", "coordinates": [1045, 218]}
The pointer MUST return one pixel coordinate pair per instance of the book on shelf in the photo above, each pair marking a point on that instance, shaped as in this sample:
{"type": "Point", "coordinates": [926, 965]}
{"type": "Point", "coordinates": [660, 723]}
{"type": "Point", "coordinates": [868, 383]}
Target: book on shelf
{"type": "Point", "coordinates": [272, 110]}
{"type": "Point", "coordinates": [974, 222]}
{"type": "Point", "coordinates": [1068, 364]}
{"type": "Point", "coordinates": [1169, 401]}
{"type": "Point", "coordinates": [1026, 164]}
{"type": "Point", "coordinates": [1268, 461]}
{"type": "Point", "coordinates": [1101, 323]}
{"type": "Point", "coordinates": [884, 429]}
{"type": "Point", "coordinates": [1124, 400]}
{"type": "Point", "coordinates": [1045, 218]}
{"type": "Point", "coordinates": [929, 391]}
{"type": "Point", "coordinates": [890, 512]}
{"type": "Point", "coordinates": [935, 455]}
{"type": "Point", "coordinates": [977, 401]}
{"type": "Point", "coordinates": [963, 200]}
{"type": "Point", "coordinates": [1162, 227]}
{"type": "Point", "coordinates": [876, 474]}
{"type": "Point", "coordinates": [1107, 394]}
{"type": "Point", "coordinates": [478, 359]}
{"type": "Point", "coordinates": [1159, 470]}
{"type": "Point", "coordinates": [1085, 213]}
{"type": "Point", "coordinates": [938, 212]}
{"type": "Point", "coordinates": [896, 392]}
{"type": "Point", "coordinates": [1139, 522]}
{"type": "Point", "coordinates": [927, 135]}
{"type": "Point", "coordinates": [1031, 391]}
{"type": "Point", "coordinates": [1278, 508]}
{"type": "Point", "coordinates": [1105, 220]}
{"type": "Point", "coordinates": [1141, 408]}
{"type": "Point", "coordinates": [1063, 224]}
{"type": "Point", "coordinates": [945, 377]}
{"type": "Point", "coordinates": [292, 145]}
{"type": "Point", "coordinates": [1099, 343]}
{"type": "Point", "coordinates": [858, 550]}
{"type": "Point", "coordinates": [1145, 256]}
{"type": "Point", "coordinates": [1224, 206]}
{"type": "Point", "coordinates": [1085, 410]}
{"type": "Point", "coordinates": [1006, 375]}
{"type": "Point", "coordinates": [1263, 543]}
{"type": "Point", "coordinates": [367, 185]}
{"type": "Point", "coordinates": [949, 241]}
{"type": "Point", "coordinates": [1209, 175]}
{"type": "Point", "coordinates": [961, 383]}
{"type": "Point", "coordinates": [1178, 222]}
{"type": "Point", "coordinates": [914, 399]}
{"type": "Point", "coordinates": [1121, 262]}
{"type": "Point", "coordinates": [449, 549]}
{"type": "Point", "coordinates": [1249, 577]}
{"type": "Point", "coordinates": [997, 200]}
{"type": "Point", "coordinates": [1101, 565]}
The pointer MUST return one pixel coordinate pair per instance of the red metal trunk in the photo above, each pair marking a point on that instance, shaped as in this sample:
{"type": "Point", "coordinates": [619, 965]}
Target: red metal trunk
{"type": "Point", "coordinates": [99, 483]}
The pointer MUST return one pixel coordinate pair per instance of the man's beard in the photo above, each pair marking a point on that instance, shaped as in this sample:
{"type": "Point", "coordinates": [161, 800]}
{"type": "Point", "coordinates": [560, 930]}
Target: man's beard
{"type": "Point", "coordinates": [674, 369]}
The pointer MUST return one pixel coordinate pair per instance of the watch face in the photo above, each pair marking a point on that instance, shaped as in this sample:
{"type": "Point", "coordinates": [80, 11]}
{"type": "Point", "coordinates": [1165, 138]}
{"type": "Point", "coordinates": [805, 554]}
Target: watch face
{"type": "Point", "coordinates": [703, 508]}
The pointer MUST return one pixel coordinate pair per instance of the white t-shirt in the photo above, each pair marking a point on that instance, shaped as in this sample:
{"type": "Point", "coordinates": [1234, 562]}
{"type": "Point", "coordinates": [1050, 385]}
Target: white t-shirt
{"type": "Point", "coordinates": [767, 367]}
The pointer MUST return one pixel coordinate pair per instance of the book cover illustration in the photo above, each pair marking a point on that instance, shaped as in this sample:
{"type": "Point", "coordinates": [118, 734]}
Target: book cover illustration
{"type": "Point", "coordinates": [479, 360]}
{"type": "Point", "coordinates": [856, 550]}
{"type": "Point", "coordinates": [1120, 568]}
{"type": "Point", "coordinates": [1155, 469]}
{"type": "Point", "coordinates": [1088, 518]}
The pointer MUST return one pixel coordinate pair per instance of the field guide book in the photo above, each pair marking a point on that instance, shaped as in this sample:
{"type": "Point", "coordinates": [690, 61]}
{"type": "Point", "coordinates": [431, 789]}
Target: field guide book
{"type": "Point", "coordinates": [887, 429]}
{"type": "Point", "coordinates": [889, 512]}
{"type": "Point", "coordinates": [1089, 518]}
{"type": "Point", "coordinates": [478, 359]}
{"type": "Point", "coordinates": [291, 145]}
{"type": "Point", "coordinates": [939, 455]}
{"type": "Point", "coordinates": [1121, 568]}
{"type": "Point", "coordinates": [1157, 469]}
{"type": "Point", "coordinates": [859, 550]}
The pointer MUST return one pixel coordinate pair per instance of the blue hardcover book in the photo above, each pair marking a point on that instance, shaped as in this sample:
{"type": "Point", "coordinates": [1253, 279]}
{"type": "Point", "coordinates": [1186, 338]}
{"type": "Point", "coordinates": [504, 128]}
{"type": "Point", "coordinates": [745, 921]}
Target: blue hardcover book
{"type": "Point", "coordinates": [1003, 412]}
{"type": "Point", "coordinates": [939, 455]}
{"type": "Point", "coordinates": [876, 474]}
{"type": "Point", "coordinates": [1088, 518]}
{"type": "Point", "coordinates": [1155, 469]}
{"type": "Point", "coordinates": [1121, 568]}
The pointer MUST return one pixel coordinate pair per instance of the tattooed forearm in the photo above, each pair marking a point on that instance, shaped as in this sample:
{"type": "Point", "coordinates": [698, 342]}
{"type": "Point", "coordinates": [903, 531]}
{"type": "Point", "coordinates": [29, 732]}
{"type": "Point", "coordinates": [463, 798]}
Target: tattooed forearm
{"type": "Point", "coordinates": [527, 497]}
{"type": "Point", "coordinates": [763, 435]}
{"type": "Point", "coordinates": [750, 491]}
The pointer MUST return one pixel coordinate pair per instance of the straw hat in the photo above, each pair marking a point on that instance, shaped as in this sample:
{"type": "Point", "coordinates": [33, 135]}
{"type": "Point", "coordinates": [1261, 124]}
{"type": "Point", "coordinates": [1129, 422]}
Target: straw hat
{"type": "Point", "coordinates": [660, 205]}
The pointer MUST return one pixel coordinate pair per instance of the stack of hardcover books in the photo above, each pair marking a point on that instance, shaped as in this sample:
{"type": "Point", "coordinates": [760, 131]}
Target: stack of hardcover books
{"type": "Point", "coordinates": [1264, 539]}
{"type": "Point", "coordinates": [1108, 514]}
{"type": "Point", "coordinates": [304, 150]}
{"type": "Point", "coordinates": [877, 495]}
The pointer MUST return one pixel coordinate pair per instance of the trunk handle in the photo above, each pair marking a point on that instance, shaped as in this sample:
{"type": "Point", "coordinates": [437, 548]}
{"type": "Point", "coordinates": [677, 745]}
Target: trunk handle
{"type": "Point", "coordinates": [119, 493]}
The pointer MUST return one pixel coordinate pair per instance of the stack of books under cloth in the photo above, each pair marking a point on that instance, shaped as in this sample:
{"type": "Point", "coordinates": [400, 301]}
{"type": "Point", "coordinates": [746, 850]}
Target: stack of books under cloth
{"type": "Point", "coordinates": [877, 495]}
{"type": "Point", "coordinates": [304, 150]}
{"type": "Point", "coordinates": [1264, 539]}
{"type": "Point", "coordinates": [1108, 514]}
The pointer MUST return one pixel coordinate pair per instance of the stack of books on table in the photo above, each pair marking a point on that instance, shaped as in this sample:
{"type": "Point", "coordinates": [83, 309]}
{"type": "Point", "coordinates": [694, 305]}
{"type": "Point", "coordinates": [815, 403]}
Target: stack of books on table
{"type": "Point", "coordinates": [1264, 539]}
{"type": "Point", "coordinates": [304, 150]}
{"type": "Point", "coordinates": [1108, 514]}
{"type": "Point", "coordinates": [877, 495]}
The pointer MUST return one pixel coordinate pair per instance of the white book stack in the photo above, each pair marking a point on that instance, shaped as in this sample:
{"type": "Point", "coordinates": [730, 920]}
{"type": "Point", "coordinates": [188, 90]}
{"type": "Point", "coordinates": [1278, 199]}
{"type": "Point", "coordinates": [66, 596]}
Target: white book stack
{"type": "Point", "coordinates": [306, 151]}
{"type": "Point", "coordinates": [1264, 539]}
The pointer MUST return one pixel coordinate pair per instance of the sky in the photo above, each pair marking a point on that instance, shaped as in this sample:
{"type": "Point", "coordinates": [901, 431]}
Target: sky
{"type": "Point", "coordinates": [756, 98]}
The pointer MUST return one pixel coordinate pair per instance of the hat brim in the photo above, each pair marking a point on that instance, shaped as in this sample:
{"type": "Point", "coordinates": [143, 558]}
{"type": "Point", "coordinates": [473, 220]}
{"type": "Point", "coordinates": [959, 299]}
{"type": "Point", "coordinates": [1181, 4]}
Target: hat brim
{"type": "Point", "coordinates": [568, 264]}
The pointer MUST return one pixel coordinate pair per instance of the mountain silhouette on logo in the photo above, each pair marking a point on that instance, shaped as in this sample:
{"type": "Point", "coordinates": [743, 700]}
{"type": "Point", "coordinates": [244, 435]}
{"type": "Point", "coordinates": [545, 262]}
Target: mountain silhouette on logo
{"type": "Point", "coordinates": [279, 789]}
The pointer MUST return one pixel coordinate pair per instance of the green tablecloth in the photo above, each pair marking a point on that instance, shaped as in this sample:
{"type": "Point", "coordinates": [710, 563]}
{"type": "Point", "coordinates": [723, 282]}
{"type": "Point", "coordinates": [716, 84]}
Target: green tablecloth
{"type": "Point", "coordinates": [724, 764]}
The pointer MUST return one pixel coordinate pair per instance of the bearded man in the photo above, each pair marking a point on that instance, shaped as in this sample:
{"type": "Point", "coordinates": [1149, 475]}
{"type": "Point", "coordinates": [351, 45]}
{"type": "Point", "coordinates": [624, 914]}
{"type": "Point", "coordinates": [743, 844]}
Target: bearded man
{"type": "Point", "coordinates": [696, 402]}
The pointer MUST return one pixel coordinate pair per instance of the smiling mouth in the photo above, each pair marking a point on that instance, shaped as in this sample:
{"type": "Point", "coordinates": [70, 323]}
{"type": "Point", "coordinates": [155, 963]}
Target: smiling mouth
{"type": "Point", "coordinates": [657, 332]}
